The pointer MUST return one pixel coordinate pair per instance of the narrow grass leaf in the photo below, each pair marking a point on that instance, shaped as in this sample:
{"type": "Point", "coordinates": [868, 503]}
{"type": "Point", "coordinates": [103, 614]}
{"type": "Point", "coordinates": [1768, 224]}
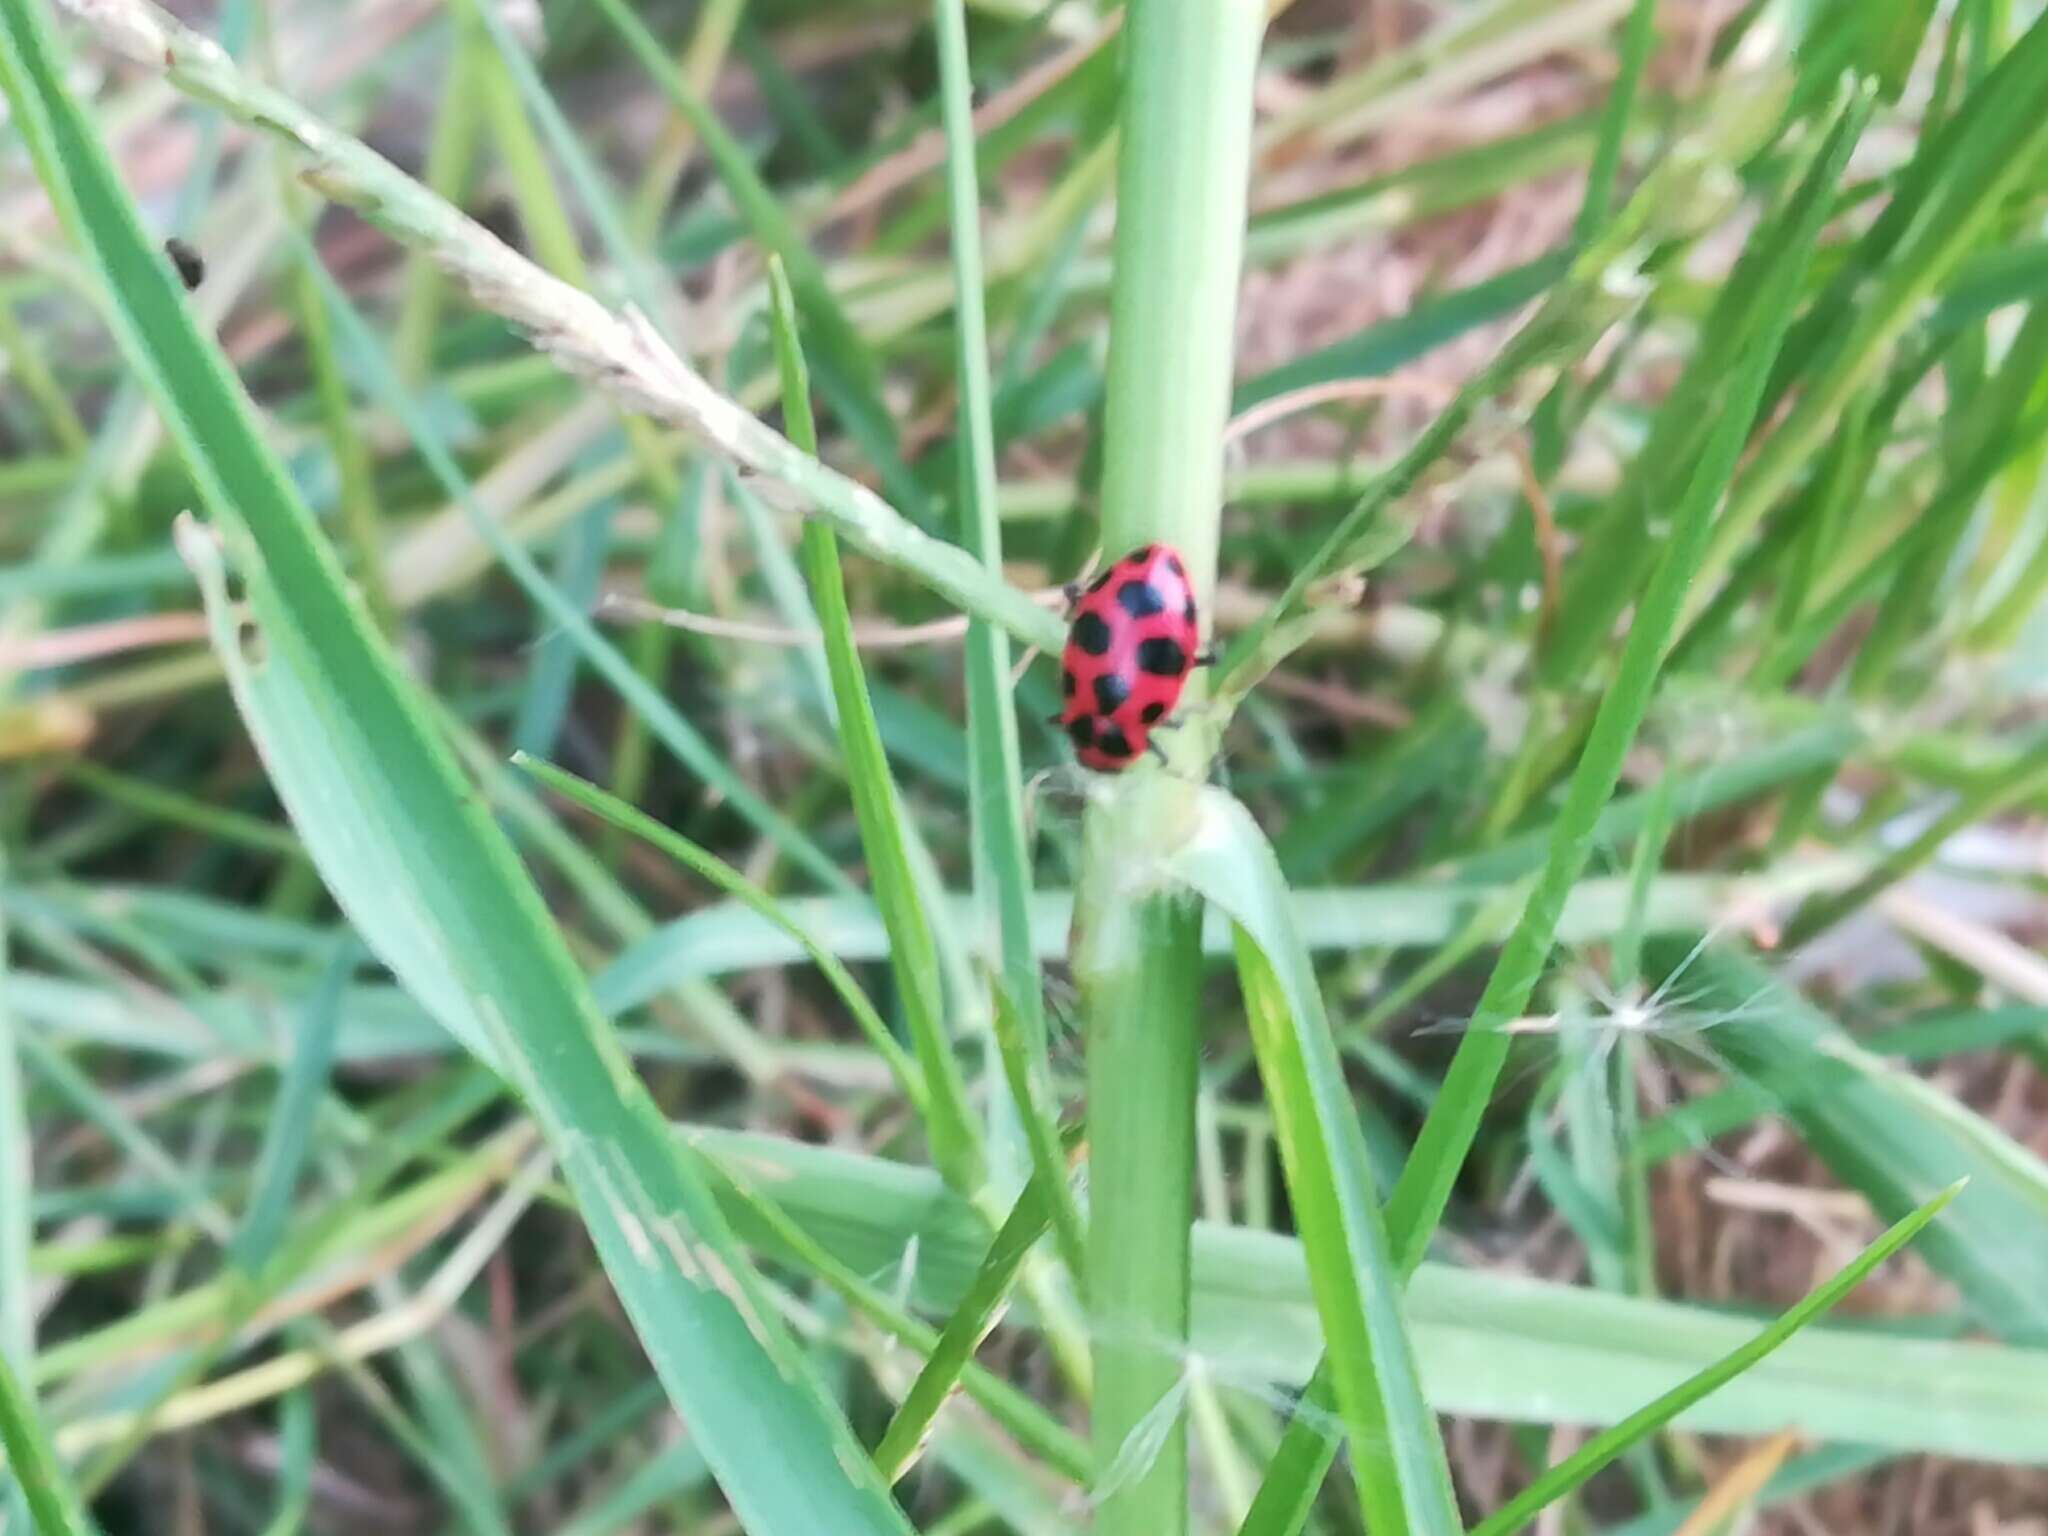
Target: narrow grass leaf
{"type": "Point", "coordinates": [781, 1231]}
{"type": "Point", "coordinates": [1029, 1078]}
{"type": "Point", "coordinates": [913, 953]}
{"type": "Point", "coordinates": [1002, 854]}
{"type": "Point", "coordinates": [32, 1461]}
{"type": "Point", "coordinates": [709, 866]}
{"type": "Point", "coordinates": [978, 1312]}
{"type": "Point", "coordinates": [1555, 1482]}
{"type": "Point", "coordinates": [295, 1447]}
{"type": "Point", "coordinates": [289, 1133]}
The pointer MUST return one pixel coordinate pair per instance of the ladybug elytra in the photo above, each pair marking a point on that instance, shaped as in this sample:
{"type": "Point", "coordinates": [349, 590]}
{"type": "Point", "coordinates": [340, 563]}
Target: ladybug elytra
{"type": "Point", "coordinates": [1131, 645]}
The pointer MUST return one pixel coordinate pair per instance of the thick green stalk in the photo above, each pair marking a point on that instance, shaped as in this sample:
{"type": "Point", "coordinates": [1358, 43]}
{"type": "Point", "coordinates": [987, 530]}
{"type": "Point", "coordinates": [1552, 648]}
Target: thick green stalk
{"type": "Point", "coordinates": [1182, 174]}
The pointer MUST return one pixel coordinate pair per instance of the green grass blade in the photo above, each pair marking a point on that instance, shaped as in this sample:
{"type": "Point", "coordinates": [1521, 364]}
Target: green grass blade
{"type": "Point", "coordinates": [436, 888]}
{"type": "Point", "coordinates": [1958, 182]}
{"type": "Point", "coordinates": [978, 1312]}
{"type": "Point", "coordinates": [709, 866]}
{"type": "Point", "coordinates": [1638, 39]}
{"type": "Point", "coordinates": [295, 1465]}
{"type": "Point", "coordinates": [1555, 1482]}
{"type": "Point", "coordinates": [1387, 345]}
{"type": "Point", "coordinates": [1397, 1453]}
{"type": "Point", "coordinates": [913, 953]}
{"type": "Point", "coordinates": [1025, 1069]}
{"type": "Point", "coordinates": [2019, 782]}
{"type": "Point", "coordinates": [32, 1460]}
{"type": "Point", "coordinates": [1419, 1199]}
{"type": "Point", "coordinates": [289, 1133]}
{"type": "Point", "coordinates": [777, 1229]}
{"type": "Point", "coordinates": [1002, 854]}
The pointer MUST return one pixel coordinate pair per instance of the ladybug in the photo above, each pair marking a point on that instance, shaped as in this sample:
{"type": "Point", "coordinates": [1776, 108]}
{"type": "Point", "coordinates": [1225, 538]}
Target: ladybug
{"type": "Point", "coordinates": [1131, 645]}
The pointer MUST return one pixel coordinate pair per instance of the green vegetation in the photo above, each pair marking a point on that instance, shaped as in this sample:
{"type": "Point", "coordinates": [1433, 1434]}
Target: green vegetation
{"type": "Point", "coordinates": [553, 977]}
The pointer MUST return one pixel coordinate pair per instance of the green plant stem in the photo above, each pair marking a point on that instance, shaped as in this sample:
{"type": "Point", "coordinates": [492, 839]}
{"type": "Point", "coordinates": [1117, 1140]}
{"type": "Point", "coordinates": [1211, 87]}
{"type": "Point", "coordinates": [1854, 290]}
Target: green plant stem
{"type": "Point", "coordinates": [1183, 168]}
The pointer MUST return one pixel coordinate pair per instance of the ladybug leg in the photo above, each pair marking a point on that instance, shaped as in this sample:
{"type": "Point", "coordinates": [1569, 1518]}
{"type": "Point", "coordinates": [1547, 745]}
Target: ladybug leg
{"type": "Point", "coordinates": [1208, 658]}
{"type": "Point", "coordinates": [1072, 592]}
{"type": "Point", "coordinates": [1152, 746]}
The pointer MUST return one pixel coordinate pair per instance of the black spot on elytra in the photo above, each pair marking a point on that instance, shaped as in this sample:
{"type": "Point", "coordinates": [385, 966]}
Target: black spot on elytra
{"type": "Point", "coordinates": [1067, 682]}
{"type": "Point", "coordinates": [1188, 612]}
{"type": "Point", "coordinates": [1091, 634]}
{"type": "Point", "coordinates": [190, 264]}
{"type": "Point", "coordinates": [1110, 692]}
{"type": "Point", "coordinates": [1082, 731]}
{"type": "Point", "coordinates": [1152, 712]}
{"type": "Point", "coordinates": [1142, 555]}
{"type": "Point", "coordinates": [1140, 599]}
{"type": "Point", "coordinates": [1173, 564]}
{"type": "Point", "coordinates": [1111, 743]}
{"type": "Point", "coordinates": [1162, 657]}
{"type": "Point", "coordinates": [1101, 581]}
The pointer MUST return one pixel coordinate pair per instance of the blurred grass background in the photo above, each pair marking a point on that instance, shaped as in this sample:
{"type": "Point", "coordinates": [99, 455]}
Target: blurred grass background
{"type": "Point", "coordinates": [280, 1250]}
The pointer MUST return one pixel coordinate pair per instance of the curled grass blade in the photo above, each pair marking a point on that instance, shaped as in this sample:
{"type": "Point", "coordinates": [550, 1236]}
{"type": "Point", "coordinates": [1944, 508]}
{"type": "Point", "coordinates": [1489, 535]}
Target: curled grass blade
{"type": "Point", "coordinates": [1397, 1453]}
